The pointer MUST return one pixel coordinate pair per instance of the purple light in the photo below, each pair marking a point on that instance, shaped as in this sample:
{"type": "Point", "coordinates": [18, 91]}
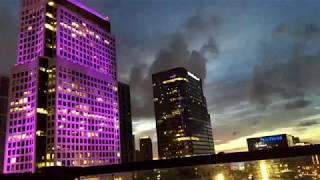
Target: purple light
{"type": "Point", "coordinates": [13, 160]}
{"type": "Point", "coordinates": [80, 5]}
{"type": "Point", "coordinates": [21, 110]}
{"type": "Point", "coordinates": [84, 115]}
{"type": "Point", "coordinates": [92, 97]}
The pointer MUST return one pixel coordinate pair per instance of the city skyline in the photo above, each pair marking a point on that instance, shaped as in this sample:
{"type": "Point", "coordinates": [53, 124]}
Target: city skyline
{"type": "Point", "coordinates": [260, 66]}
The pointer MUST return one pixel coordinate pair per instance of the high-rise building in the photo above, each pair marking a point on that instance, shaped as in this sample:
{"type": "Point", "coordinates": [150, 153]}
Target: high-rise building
{"type": "Point", "coordinates": [182, 119]}
{"type": "Point", "coordinates": [63, 98]}
{"type": "Point", "coordinates": [145, 153]}
{"type": "Point", "coordinates": [4, 88]}
{"type": "Point", "coordinates": [126, 137]}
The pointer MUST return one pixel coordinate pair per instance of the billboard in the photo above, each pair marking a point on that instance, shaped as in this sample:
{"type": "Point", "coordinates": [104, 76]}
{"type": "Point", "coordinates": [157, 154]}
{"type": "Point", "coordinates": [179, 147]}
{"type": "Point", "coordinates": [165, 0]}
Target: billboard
{"type": "Point", "coordinates": [269, 142]}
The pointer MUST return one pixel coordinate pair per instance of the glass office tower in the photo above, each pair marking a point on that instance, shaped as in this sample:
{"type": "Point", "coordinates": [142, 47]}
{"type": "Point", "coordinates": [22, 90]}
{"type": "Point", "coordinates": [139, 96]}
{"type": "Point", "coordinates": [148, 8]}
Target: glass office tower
{"type": "Point", "coordinates": [63, 98]}
{"type": "Point", "coordinates": [182, 119]}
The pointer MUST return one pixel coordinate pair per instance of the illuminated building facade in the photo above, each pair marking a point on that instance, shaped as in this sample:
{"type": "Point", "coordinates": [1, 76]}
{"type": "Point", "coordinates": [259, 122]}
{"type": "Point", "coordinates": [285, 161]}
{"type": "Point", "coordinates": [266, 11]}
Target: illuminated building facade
{"type": "Point", "coordinates": [4, 88]}
{"type": "Point", "coordinates": [182, 119]}
{"type": "Point", "coordinates": [126, 137]}
{"type": "Point", "coordinates": [63, 98]}
{"type": "Point", "coordinates": [272, 142]}
{"type": "Point", "coordinates": [145, 153]}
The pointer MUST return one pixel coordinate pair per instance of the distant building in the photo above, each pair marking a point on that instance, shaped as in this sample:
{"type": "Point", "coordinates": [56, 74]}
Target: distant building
{"type": "Point", "coordinates": [126, 137]}
{"type": "Point", "coordinates": [136, 155]}
{"type": "Point", "coordinates": [4, 88]}
{"type": "Point", "coordinates": [145, 152]}
{"type": "Point", "coordinates": [272, 142]}
{"type": "Point", "coordinates": [182, 118]}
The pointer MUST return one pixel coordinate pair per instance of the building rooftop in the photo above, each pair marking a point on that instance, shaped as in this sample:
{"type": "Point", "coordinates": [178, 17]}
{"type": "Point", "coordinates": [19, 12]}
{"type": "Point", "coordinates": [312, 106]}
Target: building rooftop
{"type": "Point", "coordinates": [85, 11]}
{"type": "Point", "coordinates": [86, 8]}
{"type": "Point", "coordinates": [145, 137]}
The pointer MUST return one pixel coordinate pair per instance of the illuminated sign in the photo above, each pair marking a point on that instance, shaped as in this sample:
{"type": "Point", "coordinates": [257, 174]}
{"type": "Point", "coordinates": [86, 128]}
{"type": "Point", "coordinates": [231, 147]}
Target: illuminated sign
{"type": "Point", "coordinates": [260, 145]}
{"type": "Point", "coordinates": [271, 139]}
{"type": "Point", "coordinates": [193, 76]}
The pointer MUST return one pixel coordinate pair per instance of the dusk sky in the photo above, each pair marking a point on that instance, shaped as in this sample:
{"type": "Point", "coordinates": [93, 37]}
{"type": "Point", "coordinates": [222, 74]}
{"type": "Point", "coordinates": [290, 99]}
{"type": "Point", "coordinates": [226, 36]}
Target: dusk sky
{"type": "Point", "coordinates": [259, 59]}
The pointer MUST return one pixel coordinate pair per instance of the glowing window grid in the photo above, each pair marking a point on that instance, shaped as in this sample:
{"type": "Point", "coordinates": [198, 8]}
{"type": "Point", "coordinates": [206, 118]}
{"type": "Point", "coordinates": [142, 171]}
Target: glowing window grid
{"type": "Point", "coordinates": [82, 126]}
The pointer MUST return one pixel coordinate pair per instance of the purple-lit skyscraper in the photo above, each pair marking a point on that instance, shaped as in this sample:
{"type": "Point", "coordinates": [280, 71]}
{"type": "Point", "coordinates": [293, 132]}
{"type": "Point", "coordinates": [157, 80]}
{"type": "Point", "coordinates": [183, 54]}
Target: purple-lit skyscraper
{"type": "Point", "coordinates": [63, 99]}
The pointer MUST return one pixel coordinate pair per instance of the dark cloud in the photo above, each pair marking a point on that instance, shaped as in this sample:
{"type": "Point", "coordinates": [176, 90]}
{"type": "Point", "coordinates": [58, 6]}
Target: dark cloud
{"type": "Point", "coordinates": [197, 64]}
{"type": "Point", "coordinates": [288, 70]}
{"type": "Point", "coordinates": [210, 47]}
{"type": "Point", "coordinates": [292, 79]}
{"type": "Point", "coordinates": [303, 31]}
{"type": "Point", "coordinates": [282, 28]}
{"type": "Point", "coordinates": [308, 123]}
{"type": "Point", "coordinates": [177, 53]}
{"type": "Point", "coordinates": [310, 30]}
{"type": "Point", "coordinates": [235, 133]}
{"type": "Point", "coordinates": [226, 94]}
{"type": "Point", "coordinates": [202, 23]}
{"type": "Point", "coordinates": [300, 103]}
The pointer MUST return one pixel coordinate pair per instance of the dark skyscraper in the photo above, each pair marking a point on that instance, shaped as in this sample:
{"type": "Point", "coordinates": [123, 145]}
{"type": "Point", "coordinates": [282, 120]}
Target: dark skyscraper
{"type": "Point", "coordinates": [182, 119]}
{"type": "Point", "coordinates": [4, 88]}
{"type": "Point", "coordinates": [145, 153]}
{"type": "Point", "coordinates": [126, 137]}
